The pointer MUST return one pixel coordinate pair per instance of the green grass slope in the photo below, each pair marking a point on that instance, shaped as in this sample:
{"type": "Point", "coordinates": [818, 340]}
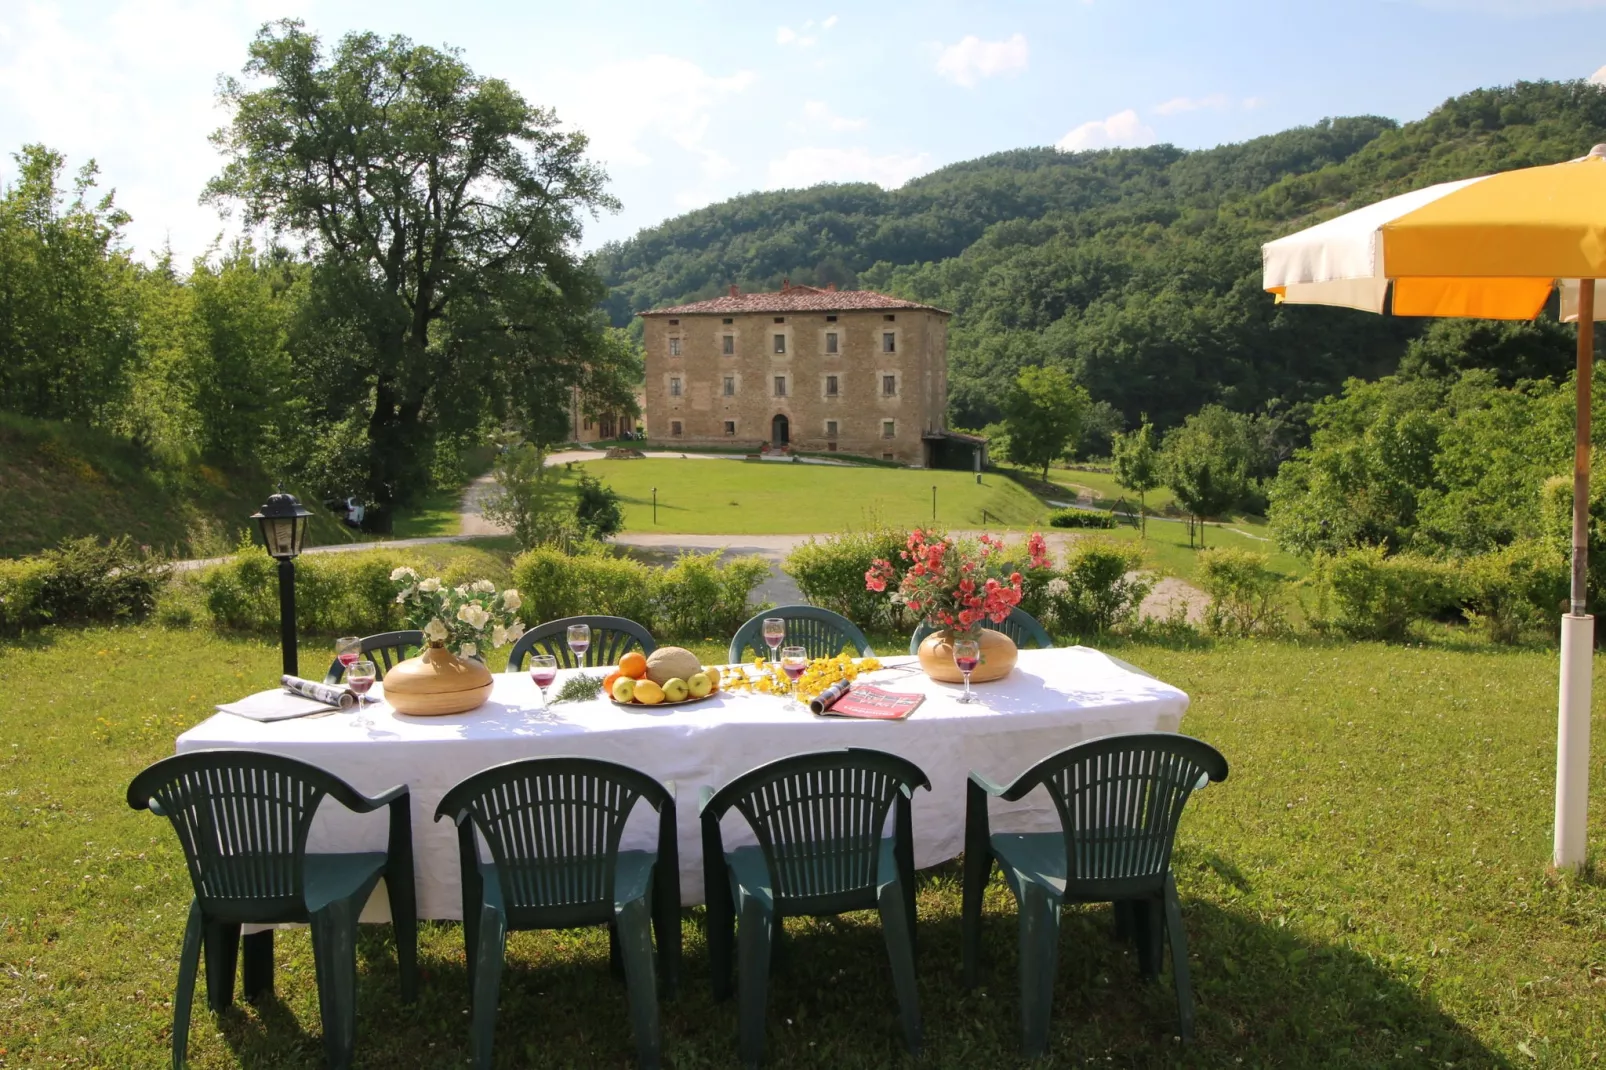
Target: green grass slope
{"type": "Point", "coordinates": [59, 481]}
{"type": "Point", "coordinates": [719, 497]}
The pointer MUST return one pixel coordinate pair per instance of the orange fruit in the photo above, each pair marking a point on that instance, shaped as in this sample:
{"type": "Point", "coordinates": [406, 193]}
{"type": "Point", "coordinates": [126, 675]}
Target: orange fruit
{"type": "Point", "coordinates": [634, 664]}
{"type": "Point", "coordinates": [607, 683]}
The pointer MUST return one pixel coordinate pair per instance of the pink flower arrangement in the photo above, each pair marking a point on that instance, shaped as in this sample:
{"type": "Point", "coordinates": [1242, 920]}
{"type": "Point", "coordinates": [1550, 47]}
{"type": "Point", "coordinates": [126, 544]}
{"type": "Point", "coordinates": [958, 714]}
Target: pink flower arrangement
{"type": "Point", "coordinates": [951, 583]}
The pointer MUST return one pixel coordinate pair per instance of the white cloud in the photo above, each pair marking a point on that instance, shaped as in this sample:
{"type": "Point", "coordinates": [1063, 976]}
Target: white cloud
{"type": "Point", "coordinates": [818, 113]}
{"type": "Point", "coordinates": [1599, 77]}
{"type": "Point", "coordinates": [829, 22]}
{"type": "Point", "coordinates": [785, 35]}
{"type": "Point", "coordinates": [1124, 128]}
{"type": "Point", "coordinates": [624, 106]}
{"type": "Point", "coordinates": [973, 59]}
{"type": "Point", "coordinates": [1251, 103]}
{"type": "Point", "coordinates": [811, 166]}
{"type": "Point", "coordinates": [1180, 105]}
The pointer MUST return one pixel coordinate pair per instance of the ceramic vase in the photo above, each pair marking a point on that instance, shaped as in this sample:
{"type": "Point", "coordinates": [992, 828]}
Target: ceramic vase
{"type": "Point", "coordinates": [998, 655]}
{"type": "Point", "coordinates": [437, 683]}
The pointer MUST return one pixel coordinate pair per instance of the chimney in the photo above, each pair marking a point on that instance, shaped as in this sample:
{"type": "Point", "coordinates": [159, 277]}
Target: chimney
{"type": "Point", "coordinates": [734, 291]}
{"type": "Point", "coordinates": [786, 284]}
{"type": "Point", "coordinates": [830, 287]}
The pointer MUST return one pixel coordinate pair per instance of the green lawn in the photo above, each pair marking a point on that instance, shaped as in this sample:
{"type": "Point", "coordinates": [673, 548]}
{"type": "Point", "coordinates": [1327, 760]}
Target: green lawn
{"type": "Point", "coordinates": [712, 497]}
{"type": "Point", "coordinates": [1367, 889]}
{"type": "Point", "coordinates": [440, 511]}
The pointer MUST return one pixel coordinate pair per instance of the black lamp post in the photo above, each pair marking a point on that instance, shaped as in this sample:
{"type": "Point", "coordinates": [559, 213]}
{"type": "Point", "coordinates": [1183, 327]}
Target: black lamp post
{"type": "Point", "coordinates": [284, 526]}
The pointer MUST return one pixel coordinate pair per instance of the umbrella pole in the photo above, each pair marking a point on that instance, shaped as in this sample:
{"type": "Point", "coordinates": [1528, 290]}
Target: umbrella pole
{"type": "Point", "coordinates": [1577, 627]}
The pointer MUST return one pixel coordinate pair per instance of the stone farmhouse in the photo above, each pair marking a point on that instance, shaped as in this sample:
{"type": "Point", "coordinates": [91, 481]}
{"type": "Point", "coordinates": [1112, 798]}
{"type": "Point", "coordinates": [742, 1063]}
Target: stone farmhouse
{"type": "Point", "coordinates": [803, 368]}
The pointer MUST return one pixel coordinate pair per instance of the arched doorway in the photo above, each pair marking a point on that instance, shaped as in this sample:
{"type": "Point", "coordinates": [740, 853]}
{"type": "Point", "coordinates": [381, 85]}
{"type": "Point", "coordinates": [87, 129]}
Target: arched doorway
{"type": "Point", "coordinates": [779, 431]}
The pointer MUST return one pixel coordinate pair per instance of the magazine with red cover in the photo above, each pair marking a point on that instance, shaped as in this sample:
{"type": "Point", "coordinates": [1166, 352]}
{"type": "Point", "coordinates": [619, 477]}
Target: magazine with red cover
{"type": "Point", "coordinates": [869, 702]}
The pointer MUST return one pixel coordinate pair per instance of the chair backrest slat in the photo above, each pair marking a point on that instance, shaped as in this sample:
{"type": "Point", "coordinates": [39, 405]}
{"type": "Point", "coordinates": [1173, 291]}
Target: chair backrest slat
{"type": "Point", "coordinates": [821, 632]}
{"type": "Point", "coordinates": [553, 825]}
{"type": "Point", "coordinates": [611, 639]}
{"type": "Point", "coordinates": [819, 818]}
{"type": "Point", "coordinates": [1120, 799]}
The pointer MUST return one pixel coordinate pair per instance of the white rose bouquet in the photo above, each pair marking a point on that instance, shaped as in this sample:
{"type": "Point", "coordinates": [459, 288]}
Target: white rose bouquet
{"type": "Point", "coordinates": [468, 619]}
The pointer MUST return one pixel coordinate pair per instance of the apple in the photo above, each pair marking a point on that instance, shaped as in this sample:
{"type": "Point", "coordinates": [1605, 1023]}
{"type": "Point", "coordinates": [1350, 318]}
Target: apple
{"type": "Point", "coordinates": [675, 689]}
{"type": "Point", "coordinates": [701, 685]}
{"type": "Point", "coordinates": [624, 689]}
{"type": "Point", "coordinates": [648, 693]}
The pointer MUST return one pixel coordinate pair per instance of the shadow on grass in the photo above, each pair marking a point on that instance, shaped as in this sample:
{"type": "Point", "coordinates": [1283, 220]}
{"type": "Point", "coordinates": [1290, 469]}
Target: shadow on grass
{"type": "Point", "coordinates": [1264, 997]}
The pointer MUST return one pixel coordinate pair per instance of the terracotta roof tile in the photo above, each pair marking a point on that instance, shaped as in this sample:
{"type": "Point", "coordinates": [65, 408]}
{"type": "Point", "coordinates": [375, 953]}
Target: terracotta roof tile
{"type": "Point", "coordinates": [793, 299]}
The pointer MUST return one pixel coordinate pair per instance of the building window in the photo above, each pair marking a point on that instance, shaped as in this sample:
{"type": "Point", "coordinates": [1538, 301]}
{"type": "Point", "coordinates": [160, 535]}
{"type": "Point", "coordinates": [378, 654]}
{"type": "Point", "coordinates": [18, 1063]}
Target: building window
{"type": "Point", "coordinates": [889, 429]}
{"type": "Point", "coordinates": [780, 343]}
{"type": "Point", "coordinates": [674, 347]}
{"type": "Point", "coordinates": [780, 319]}
{"type": "Point", "coordinates": [730, 386]}
{"type": "Point", "coordinates": [588, 425]}
{"type": "Point", "coordinates": [727, 344]}
{"type": "Point", "coordinates": [830, 342]}
{"type": "Point", "coordinates": [727, 320]}
{"type": "Point", "coordinates": [889, 317]}
{"type": "Point", "coordinates": [830, 429]}
{"type": "Point", "coordinates": [889, 386]}
{"type": "Point", "coordinates": [730, 427]}
{"type": "Point", "coordinates": [674, 323]}
{"type": "Point", "coordinates": [780, 386]}
{"type": "Point", "coordinates": [674, 386]}
{"type": "Point", "coordinates": [830, 319]}
{"type": "Point", "coordinates": [889, 343]}
{"type": "Point", "coordinates": [830, 386]}
{"type": "Point", "coordinates": [674, 427]}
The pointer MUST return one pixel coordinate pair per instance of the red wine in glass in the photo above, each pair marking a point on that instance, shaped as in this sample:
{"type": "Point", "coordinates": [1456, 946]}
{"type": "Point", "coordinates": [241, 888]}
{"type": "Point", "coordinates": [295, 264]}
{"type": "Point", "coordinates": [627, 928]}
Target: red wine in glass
{"type": "Point", "coordinates": [967, 665]}
{"type": "Point", "coordinates": [348, 659]}
{"type": "Point", "coordinates": [360, 684]}
{"type": "Point", "coordinates": [793, 672]}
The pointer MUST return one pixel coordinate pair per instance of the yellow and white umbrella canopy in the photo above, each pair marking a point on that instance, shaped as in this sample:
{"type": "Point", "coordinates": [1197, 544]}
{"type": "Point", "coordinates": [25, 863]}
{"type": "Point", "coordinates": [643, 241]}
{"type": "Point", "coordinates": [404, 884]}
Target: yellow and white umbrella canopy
{"type": "Point", "coordinates": [1488, 248]}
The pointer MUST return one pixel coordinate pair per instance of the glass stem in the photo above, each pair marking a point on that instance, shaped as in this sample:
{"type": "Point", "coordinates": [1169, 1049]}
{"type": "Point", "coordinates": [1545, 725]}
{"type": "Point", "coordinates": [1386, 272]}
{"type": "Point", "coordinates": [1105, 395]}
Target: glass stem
{"type": "Point", "coordinates": [967, 687]}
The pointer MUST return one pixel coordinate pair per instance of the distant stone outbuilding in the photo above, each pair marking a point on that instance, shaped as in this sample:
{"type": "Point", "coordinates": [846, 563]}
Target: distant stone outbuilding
{"type": "Point", "coordinates": [804, 368]}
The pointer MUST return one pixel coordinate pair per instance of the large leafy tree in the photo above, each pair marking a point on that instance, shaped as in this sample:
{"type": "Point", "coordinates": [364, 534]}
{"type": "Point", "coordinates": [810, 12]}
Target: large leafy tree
{"type": "Point", "coordinates": [1044, 416]}
{"type": "Point", "coordinates": [1137, 464]}
{"type": "Point", "coordinates": [1207, 462]}
{"type": "Point", "coordinates": [443, 211]}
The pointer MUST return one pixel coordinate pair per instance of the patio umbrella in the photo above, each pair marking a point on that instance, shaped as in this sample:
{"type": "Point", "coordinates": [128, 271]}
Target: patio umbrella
{"type": "Point", "coordinates": [1491, 248]}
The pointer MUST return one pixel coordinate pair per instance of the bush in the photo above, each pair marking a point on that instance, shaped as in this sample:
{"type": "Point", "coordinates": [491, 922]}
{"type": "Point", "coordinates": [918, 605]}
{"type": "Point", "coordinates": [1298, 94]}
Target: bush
{"type": "Point", "coordinates": [22, 582]}
{"type": "Point", "coordinates": [90, 581]}
{"type": "Point", "coordinates": [698, 596]}
{"type": "Point", "coordinates": [1520, 587]}
{"type": "Point", "coordinates": [596, 508]}
{"type": "Point", "coordinates": [1080, 518]}
{"type": "Point", "coordinates": [830, 573]}
{"type": "Point", "coordinates": [1096, 590]}
{"type": "Point", "coordinates": [1367, 594]}
{"type": "Point", "coordinates": [1243, 592]}
{"type": "Point", "coordinates": [694, 596]}
{"type": "Point", "coordinates": [344, 593]}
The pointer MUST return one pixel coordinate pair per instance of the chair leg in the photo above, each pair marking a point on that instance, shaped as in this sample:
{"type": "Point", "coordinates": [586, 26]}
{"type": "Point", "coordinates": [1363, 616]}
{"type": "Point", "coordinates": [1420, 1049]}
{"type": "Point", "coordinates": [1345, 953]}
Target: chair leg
{"type": "Point", "coordinates": [1039, 960]}
{"type": "Point", "coordinates": [487, 983]}
{"type": "Point", "coordinates": [334, 956]}
{"type": "Point", "coordinates": [978, 868]}
{"type": "Point", "coordinates": [633, 924]}
{"type": "Point", "coordinates": [755, 939]}
{"type": "Point", "coordinates": [1122, 909]}
{"type": "Point", "coordinates": [616, 962]}
{"type": "Point", "coordinates": [404, 923]}
{"type": "Point", "coordinates": [1179, 958]}
{"type": "Point", "coordinates": [256, 965]}
{"type": "Point", "coordinates": [189, 961]}
{"type": "Point", "coordinates": [895, 927]}
{"type": "Point", "coordinates": [720, 923]}
{"type": "Point", "coordinates": [222, 945]}
{"type": "Point", "coordinates": [666, 929]}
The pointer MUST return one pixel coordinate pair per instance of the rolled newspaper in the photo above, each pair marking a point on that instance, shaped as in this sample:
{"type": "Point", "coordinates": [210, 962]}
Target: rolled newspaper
{"type": "Point", "coordinates": [342, 698]}
{"type": "Point", "coordinates": [824, 700]}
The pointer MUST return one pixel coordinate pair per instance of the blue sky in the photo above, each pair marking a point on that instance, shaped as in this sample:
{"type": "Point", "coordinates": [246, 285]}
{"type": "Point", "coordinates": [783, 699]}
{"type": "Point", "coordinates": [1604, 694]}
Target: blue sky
{"type": "Point", "coordinates": [691, 103]}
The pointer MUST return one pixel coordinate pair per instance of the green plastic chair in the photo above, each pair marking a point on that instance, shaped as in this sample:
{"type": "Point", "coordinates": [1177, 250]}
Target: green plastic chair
{"type": "Point", "coordinates": [384, 649]}
{"type": "Point", "coordinates": [1119, 800]}
{"type": "Point", "coordinates": [1021, 627]}
{"type": "Point", "coordinates": [821, 631]}
{"type": "Point", "coordinates": [242, 818]}
{"type": "Point", "coordinates": [819, 820]}
{"type": "Point", "coordinates": [611, 639]}
{"type": "Point", "coordinates": [552, 826]}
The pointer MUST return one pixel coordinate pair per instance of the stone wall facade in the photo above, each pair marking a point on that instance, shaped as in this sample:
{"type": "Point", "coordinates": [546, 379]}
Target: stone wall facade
{"type": "Point", "coordinates": [864, 381]}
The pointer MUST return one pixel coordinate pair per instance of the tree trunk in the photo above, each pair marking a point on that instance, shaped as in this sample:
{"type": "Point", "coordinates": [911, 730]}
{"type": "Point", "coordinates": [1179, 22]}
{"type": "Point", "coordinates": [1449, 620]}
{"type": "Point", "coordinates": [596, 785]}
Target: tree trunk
{"type": "Point", "coordinates": [1143, 517]}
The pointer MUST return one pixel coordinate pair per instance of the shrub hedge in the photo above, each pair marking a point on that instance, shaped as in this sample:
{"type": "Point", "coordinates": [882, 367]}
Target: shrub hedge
{"type": "Point", "coordinates": [1080, 518]}
{"type": "Point", "coordinates": [1244, 594]}
{"type": "Point", "coordinates": [1367, 594]}
{"type": "Point", "coordinates": [830, 573]}
{"type": "Point", "coordinates": [80, 581]}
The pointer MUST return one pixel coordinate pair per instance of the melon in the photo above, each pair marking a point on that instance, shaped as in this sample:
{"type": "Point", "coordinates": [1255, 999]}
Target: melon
{"type": "Point", "coordinates": [668, 662]}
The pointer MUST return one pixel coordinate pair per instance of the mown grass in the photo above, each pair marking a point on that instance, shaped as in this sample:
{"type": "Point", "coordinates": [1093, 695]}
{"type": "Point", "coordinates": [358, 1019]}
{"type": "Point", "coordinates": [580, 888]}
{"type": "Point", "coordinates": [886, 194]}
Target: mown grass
{"type": "Point", "coordinates": [715, 497]}
{"type": "Point", "coordinates": [440, 512]}
{"type": "Point", "coordinates": [1367, 889]}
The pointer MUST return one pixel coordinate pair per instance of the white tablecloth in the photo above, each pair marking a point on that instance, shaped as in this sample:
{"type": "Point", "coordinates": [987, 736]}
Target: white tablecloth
{"type": "Point", "coordinates": [1053, 699]}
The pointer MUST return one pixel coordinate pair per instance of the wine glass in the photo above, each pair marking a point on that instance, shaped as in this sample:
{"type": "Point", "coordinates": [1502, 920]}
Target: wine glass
{"type": "Point", "coordinates": [360, 677]}
{"type": "Point", "coordinates": [794, 663]}
{"type": "Point", "coordinates": [579, 642]}
{"type": "Point", "coordinates": [543, 670]}
{"type": "Point", "coordinates": [774, 634]}
{"type": "Point", "coordinates": [348, 648]}
{"type": "Point", "coordinates": [967, 655]}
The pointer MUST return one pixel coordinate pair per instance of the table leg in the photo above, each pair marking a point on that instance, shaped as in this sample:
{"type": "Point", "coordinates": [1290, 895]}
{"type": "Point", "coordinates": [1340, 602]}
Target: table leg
{"type": "Point", "coordinates": [257, 969]}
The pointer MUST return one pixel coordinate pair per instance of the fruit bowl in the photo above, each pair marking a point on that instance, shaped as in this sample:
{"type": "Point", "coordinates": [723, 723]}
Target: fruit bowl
{"type": "Point", "coordinates": [669, 676]}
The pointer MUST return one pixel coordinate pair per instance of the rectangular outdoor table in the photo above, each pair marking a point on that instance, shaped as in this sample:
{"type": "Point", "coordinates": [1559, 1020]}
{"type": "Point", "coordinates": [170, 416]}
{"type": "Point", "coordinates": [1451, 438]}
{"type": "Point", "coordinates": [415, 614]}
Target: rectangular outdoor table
{"type": "Point", "coordinates": [1054, 698]}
